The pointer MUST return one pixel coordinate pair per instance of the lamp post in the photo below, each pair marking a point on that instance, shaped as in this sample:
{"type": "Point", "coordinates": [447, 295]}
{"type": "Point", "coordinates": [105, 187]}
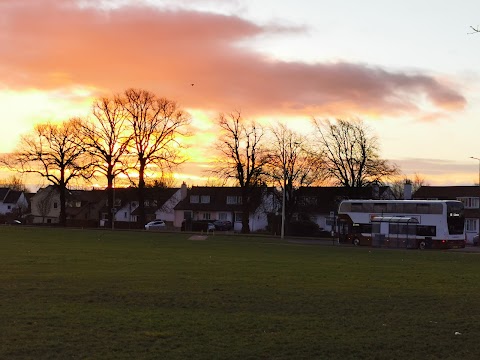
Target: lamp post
{"type": "Point", "coordinates": [282, 230]}
{"type": "Point", "coordinates": [478, 159]}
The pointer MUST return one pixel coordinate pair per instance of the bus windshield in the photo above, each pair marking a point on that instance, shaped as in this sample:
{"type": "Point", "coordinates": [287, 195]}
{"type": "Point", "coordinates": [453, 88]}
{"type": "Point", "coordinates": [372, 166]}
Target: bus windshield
{"type": "Point", "coordinates": [455, 218]}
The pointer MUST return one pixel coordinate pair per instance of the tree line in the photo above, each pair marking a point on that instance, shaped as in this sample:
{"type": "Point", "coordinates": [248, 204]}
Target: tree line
{"type": "Point", "coordinates": [137, 132]}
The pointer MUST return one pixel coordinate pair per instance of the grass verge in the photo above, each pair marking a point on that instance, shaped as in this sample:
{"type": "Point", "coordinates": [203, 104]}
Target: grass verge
{"type": "Point", "coordinates": [95, 294]}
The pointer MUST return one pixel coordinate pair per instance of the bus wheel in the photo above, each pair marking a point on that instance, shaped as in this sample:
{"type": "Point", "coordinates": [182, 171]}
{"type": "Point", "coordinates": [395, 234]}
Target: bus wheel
{"type": "Point", "coordinates": [356, 242]}
{"type": "Point", "coordinates": [422, 245]}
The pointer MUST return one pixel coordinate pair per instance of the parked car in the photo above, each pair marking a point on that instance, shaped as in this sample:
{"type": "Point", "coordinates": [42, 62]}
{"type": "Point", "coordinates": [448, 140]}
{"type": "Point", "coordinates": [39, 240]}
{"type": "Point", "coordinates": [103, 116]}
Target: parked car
{"type": "Point", "coordinates": [155, 225]}
{"type": "Point", "coordinates": [222, 225]}
{"type": "Point", "coordinates": [210, 227]}
{"type": "Point", "coordinates": [475, 240]}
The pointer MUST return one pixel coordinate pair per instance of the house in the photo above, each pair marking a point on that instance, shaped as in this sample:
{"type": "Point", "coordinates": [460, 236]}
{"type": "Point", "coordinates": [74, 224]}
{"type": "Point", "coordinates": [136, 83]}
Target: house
{"type": "Point", "coordinates": [225, 203]}
{"type": "Point", "coordinates": [159, 204]}
{"type": "Point", "coordinates": [89, 208]}
{"type": "Point", "coordinates": [82, 206]}
{"type": "Point", "coordinates": [468, 195]}
{"type": "Point", "coordinates": [13, 202]}
{"type": "Point", "coordinates": [320, 204]}
{"type": "Point", "coordinates": [45, 206]}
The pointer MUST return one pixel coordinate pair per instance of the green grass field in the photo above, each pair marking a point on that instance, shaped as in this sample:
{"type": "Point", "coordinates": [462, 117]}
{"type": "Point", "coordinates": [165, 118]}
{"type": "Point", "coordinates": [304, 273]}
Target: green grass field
{"type": "Point", "coordinates": [92, 294]}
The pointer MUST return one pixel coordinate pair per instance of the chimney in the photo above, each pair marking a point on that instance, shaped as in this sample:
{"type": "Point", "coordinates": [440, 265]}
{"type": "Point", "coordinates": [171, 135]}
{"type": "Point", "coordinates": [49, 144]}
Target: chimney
{"type": "Point", "coordinates": [183, 191]}
{"type": "Point", "coordinates": [407, 191]}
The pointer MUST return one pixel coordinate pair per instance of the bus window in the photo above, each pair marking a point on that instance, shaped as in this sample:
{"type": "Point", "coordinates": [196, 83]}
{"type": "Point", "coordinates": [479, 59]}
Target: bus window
{"type": "Point", "coordinates": [380, 208]}
{"type": "Point", "coordinates": [423, 209]}
{"type": "Point", "coordinates": [455, 218]}
{"type": "Point", "coordinates": [425, 230]}
{"type": "Point", "coordinates": [393, 228]}
{"type": "Point", "coordinates": [357, 207]}
{"type": "Point", "coordinates": [361, 228]}
{"type": "Point", "coordinates": [392, 208]}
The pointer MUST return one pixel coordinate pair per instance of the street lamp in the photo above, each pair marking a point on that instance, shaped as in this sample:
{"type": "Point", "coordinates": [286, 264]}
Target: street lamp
{"type": "Point", "coordinates": [478, 159]}
{"type": "Point", "coordinates": [282, 230]}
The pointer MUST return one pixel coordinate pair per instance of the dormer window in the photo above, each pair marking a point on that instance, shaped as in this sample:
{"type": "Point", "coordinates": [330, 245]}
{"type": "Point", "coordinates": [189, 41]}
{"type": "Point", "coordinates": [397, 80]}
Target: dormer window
{"type": "Point", "coordinates": [194, 199]}
{"type": "Point", "coordinates": [234, 200]}
{"type": "Point", "coordinates": [469, 202]}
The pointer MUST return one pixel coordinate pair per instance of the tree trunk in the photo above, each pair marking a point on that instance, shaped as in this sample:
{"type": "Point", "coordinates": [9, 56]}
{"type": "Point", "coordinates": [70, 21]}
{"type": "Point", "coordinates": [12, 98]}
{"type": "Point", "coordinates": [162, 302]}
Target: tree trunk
{"type": "Point", "coordinates": [110, 190]}
{"type": "Point", "coordinates": [141, 191]}
{"type": "Point", "coordinates": [63, 205]}
{"type": "Point", "coordinates": [245, 213]}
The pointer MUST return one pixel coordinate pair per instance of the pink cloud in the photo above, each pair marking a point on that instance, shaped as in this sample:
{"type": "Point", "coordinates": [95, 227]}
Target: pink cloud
{"type": "Point", "coordinates": [51, 44]}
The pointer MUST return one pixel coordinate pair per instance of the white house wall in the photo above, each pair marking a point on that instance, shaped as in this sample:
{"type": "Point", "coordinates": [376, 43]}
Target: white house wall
{"type": "Point", "coordinates": [125, 212]}
{"type": "Point", "coordinates": [6, 208]}
{"type": "Point", "coordinates": [166, 212]}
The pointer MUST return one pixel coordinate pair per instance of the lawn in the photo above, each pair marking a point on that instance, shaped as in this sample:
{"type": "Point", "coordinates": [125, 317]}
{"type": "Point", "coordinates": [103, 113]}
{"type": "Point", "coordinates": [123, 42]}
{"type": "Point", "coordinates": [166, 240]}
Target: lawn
{"type": "Point", "coordinates": [101, 294]}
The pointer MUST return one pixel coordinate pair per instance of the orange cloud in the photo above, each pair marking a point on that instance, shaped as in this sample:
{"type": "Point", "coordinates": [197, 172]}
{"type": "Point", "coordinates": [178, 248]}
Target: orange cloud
{"type": "Point", "coordinates": [195, 58]}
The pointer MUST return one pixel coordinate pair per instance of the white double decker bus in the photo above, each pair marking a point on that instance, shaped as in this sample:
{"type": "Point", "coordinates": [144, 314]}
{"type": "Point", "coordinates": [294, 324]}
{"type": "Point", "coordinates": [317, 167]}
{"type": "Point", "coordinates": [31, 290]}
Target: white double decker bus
{"type": "Point", "coordinates": [402, 223]}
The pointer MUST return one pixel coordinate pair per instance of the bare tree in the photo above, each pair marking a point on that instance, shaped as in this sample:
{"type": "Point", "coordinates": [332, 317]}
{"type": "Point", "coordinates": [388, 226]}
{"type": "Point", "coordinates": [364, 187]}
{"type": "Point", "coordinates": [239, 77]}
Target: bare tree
{"type": "Point", "coordinates": [107, 138]}
{"type": "Point", "coordinates": [14, 183]}
{"type": "Point", "coordinates": [156, 124]}
{"type": "Point", "coordinates": [53, 152]}
{"type": "Point", "coordinates": [398, 186]}
{"type": "Point", "coordinates": [242, 158]}
{"type": "Point", "coordinates": [292, 164]}
{"type": "Point", "coordinates": [351, 153]}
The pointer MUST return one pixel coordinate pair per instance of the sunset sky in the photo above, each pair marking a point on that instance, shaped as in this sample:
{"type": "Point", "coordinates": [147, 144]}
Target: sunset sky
{"type": "Point", "coordinates": [409, 69]}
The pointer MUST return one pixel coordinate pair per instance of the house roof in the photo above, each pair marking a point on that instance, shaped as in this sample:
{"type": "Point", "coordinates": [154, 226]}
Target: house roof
{"type": "Point", "coordinates": [218, 199]}
{"type": "Point", "coordinates": [158, 195]}
{"type": "Point", "coordinates": [12, 197]}
{"type": "Point", "coordinates": [3, 193]}
{"type": "Point", "coordinates": [446, 192]}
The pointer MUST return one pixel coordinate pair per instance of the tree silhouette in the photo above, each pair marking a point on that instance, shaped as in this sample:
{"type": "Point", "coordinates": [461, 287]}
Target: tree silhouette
{"type": "Point", "coordinates": [352, 153]}
{"type": "Point", "coordinates": [242, 158]}
{"type": "Point", "coordinates": [156, 124]}
{"type": "Point", "coordinates": [54, 152]}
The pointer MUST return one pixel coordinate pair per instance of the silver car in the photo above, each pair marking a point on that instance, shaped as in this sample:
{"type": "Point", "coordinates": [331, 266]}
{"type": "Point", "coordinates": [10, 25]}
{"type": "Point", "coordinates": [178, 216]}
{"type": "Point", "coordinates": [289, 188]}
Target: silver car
{"type": "Point", "coordinates": [155, 225]}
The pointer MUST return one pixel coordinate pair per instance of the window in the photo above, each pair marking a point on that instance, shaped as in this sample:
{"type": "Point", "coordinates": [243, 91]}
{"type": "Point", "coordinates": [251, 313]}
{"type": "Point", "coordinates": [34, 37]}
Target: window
{"type": "Point", "coordinates": [194, 199]}
{"type": "Point", "coordinates": [238, 216]}
{"type": "Point", "coordinates": [426, 230]}
{"type": "Point", "coordinates": [55, 205]}
{"type": "Point", "coordinates": [409, 229]}
{"type": "Point", "coordinates": [380, 208]}
{"type": "Point", "coordinates": [125, 215]}
{"type": "Point", "coordinates": [234, 200]}
{"type": "Point", "coordinates": [357, 207]}
{"type": "Point", "coordinates": [205, 199]}
{"type": "Point", "coordinates": [469, 202]}
{"type": "Point", "coordinates": [222, 216]}
{"type": "Point", "coordinates": [206, 216]}
{"type": "Point", "coordinates": [9, 207]}
{"type": "Point", "coordinates": [471, 224]}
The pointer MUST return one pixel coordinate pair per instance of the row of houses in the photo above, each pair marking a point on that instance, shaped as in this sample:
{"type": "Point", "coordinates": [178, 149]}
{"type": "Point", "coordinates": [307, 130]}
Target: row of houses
{"type": "Point", "coordinates": [89, 208]}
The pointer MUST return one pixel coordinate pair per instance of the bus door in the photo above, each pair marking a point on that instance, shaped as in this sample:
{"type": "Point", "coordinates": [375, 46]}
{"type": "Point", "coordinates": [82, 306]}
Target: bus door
{"type": "Point", "coordinates": [343, 230]}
